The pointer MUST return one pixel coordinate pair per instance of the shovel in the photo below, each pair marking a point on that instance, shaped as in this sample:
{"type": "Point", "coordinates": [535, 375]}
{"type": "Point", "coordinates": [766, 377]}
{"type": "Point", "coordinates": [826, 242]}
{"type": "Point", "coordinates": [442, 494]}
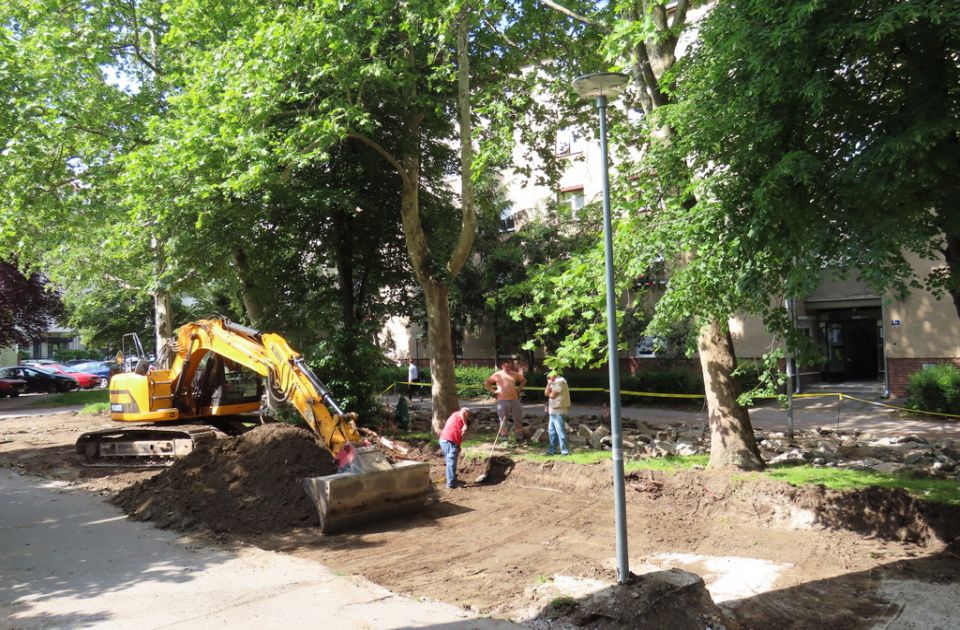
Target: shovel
{"type": "Point", "coordinates": [486, 470]}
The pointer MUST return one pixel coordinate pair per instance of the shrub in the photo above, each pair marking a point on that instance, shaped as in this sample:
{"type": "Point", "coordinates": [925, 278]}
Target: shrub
{"type": "Point", "coordinates": [470, 381]}
{"type": "Point", "coordinates": [935, 388]}
{"type": "Point", "coordinates": [66, 354]}
{"type": "Point", "coordinates": [666, 381]}
{"type": "Point", "coordinates": [589, 379]}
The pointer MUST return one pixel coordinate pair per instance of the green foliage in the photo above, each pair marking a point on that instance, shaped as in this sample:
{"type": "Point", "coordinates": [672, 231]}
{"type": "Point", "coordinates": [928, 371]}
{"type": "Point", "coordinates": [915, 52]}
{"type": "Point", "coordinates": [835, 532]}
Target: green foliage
{"type": "Point", "coordinates": [353, 368]}
{"type": "Point", "coordinates": [936, 388]}
{"type": "Point", "coordinates": [81, 82]}
{"type": "Point", "coordinates": [79, 397]}
{"type": "Point", "coordinates": [102, 318]}
{"type": "Point", "coordinates": [498, 288]}
{"type": "Point", "coordinates": [793, 126]}
{"type": "Point", "coordinates": [665, 381]}
{"type": "Point", "coordinates": [96, 408]}
{"type": "Point", "coordinates": [65, 354]}
{"type": "Point", "coordinates": [565, 297]}
{"type": "Point", "coordinates": [561, 606]}
{"type": "Point", "coordinates": [762, 378]}
{"type": "Point", "coordinates": [470, 381]}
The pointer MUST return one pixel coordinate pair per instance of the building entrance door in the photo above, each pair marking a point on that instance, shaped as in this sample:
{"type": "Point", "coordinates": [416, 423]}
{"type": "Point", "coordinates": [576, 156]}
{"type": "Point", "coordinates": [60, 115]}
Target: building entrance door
{"type": "Point", "coordinates": [861, 350]}
{"type": "Point", "coordinates": [849, 340]}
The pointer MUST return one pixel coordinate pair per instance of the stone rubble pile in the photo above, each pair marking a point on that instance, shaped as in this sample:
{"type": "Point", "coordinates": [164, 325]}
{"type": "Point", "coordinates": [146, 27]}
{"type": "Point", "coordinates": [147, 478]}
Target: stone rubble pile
{"type": "Point", "coordinates": [820, 446]}
{"type": "Point", "coordinates": [863, 450]}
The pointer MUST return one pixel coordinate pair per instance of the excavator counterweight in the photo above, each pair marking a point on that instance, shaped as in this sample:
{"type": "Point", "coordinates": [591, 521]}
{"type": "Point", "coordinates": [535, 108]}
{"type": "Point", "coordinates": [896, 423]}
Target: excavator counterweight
{"type": "Point", "coordinates": [222, 379]}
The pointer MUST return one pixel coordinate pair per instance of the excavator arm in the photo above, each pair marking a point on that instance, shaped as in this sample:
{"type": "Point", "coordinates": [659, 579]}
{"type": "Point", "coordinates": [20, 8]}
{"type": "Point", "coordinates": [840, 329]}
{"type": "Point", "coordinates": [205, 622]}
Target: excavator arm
{"type": "Point", "coordinates": [289, 380]}
{"type": "Point", "coordinates": [189, 403]}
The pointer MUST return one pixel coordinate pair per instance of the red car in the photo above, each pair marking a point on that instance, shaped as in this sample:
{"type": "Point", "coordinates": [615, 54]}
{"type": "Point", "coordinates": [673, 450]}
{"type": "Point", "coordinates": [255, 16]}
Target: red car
{"type": "Point", "coordinates": [12, 387]}
{"type": "Point", "coordinates": [84, 380]}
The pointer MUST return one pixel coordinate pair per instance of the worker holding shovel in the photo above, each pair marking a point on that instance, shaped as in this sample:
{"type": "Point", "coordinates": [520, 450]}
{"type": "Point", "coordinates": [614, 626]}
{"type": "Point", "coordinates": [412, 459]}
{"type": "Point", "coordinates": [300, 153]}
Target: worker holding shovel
{"type": "Point", "coordinates": [451, 439]}
{"type": "Point", "coordinates": [558, 405]}
{"type": "Point", "coordinates": [507, 385]}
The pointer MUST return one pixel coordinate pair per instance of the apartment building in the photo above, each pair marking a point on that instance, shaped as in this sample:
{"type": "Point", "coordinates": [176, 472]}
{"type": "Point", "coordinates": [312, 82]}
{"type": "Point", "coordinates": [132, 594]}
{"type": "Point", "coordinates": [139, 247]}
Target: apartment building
{"type": "Point", "coordinates": [863, 337]}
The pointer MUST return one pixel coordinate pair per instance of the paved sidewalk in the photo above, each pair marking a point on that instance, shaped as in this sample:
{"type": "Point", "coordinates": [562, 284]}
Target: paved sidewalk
{"type": "Point", "coordinates": [68, 560]}
{"type": "Point", "coordinates": [22, 406]}
{"type": "Point", "coordinates": [37, 411]}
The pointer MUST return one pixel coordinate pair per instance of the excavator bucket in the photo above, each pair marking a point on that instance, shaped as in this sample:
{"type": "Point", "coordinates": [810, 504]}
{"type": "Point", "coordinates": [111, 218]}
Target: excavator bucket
{"type": "Point", "coordinates": [372, 491]}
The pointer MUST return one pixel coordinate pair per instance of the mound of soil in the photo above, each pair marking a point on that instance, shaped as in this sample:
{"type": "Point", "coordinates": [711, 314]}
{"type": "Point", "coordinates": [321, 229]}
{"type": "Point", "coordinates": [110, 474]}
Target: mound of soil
{"type": "Point", "coordinates": [663, 599]}
{"type": "Point", "coordinates": [887, 513]}
{"type": "Point", "coordinates": [701, 496]}
{"type": "Point", "coordinates": [249, 484]}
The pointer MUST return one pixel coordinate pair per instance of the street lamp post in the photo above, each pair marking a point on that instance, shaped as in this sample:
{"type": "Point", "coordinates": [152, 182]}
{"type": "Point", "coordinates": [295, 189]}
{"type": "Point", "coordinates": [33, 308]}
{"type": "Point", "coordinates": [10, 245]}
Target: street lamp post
{"type": "Point", "coordinates": [600, 86]}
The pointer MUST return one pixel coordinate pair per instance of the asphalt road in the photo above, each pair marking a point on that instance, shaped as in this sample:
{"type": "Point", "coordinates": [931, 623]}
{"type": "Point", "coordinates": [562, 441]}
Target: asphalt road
{"type": "Point", "coordinates": [69, 560]}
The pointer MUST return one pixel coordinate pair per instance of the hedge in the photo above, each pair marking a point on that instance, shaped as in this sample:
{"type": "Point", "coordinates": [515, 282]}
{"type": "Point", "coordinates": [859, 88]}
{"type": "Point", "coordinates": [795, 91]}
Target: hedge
{"type": "Point", "coordinates": [936, 388]}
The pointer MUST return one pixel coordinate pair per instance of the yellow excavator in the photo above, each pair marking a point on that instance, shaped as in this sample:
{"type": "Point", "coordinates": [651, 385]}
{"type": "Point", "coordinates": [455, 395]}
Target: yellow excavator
{"type": "Point", "coordinates": [222, 377]}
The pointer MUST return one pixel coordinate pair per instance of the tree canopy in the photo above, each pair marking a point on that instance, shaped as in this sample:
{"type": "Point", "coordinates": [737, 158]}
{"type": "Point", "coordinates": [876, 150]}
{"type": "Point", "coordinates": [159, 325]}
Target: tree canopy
{"type": "Point", "coordinates": [811, 138]}
{"type": "Point", "coordinates": [27, 306]}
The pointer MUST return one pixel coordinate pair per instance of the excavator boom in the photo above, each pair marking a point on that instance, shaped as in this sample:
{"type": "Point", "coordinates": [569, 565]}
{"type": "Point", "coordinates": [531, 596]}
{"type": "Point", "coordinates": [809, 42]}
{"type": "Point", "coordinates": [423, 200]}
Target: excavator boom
{"type": "Point", "coordinates": [221, 371]}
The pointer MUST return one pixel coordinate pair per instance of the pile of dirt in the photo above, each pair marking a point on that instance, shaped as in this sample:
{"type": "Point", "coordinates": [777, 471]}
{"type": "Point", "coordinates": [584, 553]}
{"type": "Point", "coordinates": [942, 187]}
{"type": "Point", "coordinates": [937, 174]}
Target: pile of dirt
{"type": "Point", "coordinates": [884, 513]}
{"type": "Point", "coordinates": [249, 484]}
{"type": "Point", "coordinates": [887, 513]}
{"type": "Point", "coordinates": [662, 599]}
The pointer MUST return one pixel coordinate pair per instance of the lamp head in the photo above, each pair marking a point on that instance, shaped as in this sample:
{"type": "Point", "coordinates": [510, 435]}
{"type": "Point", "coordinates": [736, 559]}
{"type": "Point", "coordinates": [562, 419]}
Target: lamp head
{"type": "Point", "coordinates": [598, 84]}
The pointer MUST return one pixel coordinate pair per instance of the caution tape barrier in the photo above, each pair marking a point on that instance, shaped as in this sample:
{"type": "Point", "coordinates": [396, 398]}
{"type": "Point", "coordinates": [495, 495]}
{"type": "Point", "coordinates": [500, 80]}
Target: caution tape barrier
{"type": "Point", "coordinates": [840, 396]}
{"type": "Point", "coordinates": [879, 404]}
{"type": "Point", "coordinates": [391, 386]}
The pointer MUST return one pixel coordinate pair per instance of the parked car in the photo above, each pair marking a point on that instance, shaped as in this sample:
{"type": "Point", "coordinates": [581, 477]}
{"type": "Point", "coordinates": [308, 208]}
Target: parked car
{"type": "Point", "coordinates": [12, 387]}
{"type": "Point", "coordinates": [102, 369]}
{"type": "Point", "coordinates": [40, 379]}
{"type": "Point", "coordinates": [85, 379]}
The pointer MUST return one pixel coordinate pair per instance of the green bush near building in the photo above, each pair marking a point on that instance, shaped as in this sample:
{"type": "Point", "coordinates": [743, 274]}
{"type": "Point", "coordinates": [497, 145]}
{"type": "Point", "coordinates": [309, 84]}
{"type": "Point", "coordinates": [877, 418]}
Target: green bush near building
{"type": "Point", "coordinates": [86, 354]}
{"type": "Point", "coordinates": [936, 388]}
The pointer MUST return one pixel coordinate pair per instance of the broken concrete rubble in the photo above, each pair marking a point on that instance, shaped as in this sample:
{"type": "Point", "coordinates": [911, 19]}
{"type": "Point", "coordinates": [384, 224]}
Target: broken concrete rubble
{"type": "Point", "coordinates": [819, 446]}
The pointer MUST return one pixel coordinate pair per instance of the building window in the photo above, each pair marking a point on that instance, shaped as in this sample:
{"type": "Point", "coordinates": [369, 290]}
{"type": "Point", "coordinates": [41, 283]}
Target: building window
{"type": "Point", "coordinates": [573, 198]}
{"type": "Point", "coordinates": [569, 142]}
{"type": "Point", "coordinates": [649, 347]}
{"type": "Point", "coordinates": [56, 345]}
{"type": "Point", "coordinates": [510, 219]}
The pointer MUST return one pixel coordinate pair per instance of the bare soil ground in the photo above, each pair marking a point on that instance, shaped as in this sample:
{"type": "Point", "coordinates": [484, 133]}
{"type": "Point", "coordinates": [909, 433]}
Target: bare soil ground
{"type": "Point", "coordinates": [536, 543]}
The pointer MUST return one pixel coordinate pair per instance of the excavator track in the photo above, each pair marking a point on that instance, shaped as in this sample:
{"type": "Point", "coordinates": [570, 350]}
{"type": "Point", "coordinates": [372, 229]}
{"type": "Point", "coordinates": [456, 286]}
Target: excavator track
{"type": "Point", "coordinates": [144, 447]}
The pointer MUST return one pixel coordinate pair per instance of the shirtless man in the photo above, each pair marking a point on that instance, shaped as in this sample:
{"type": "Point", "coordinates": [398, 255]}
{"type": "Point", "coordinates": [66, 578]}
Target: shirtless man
{"type": "Point", "coordinates": [506, 385]}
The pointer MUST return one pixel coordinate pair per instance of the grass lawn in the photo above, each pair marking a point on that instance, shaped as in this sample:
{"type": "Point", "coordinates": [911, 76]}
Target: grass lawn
{"type": "Point", "coordinates": [94, 398]}
{"type": "Point", "coordinates": [925, 489]}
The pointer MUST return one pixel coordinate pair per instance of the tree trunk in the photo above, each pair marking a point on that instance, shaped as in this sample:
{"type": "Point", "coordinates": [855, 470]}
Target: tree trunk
{"type": "Point", "coordinates": [251, 301]}
{"type": "Point", "coordinates": [435, 282]}
{"type": "Point", "coordinates": [344, 263]}
{"type": "Point", "coordinates": [732, 442]}
{"type": "Point", "coordinates": [443, 389]}
{"type": "Point", "coordinates": [163, 324]}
